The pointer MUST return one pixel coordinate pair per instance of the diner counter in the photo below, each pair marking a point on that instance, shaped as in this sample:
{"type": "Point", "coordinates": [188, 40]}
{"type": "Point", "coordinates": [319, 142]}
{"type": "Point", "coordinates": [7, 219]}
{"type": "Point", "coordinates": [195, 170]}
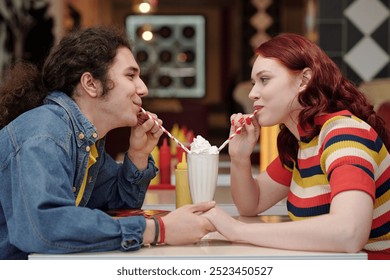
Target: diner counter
{"type": "Point", "coordinates": [207, 249]}
{"type": "Point", "coordinates": [212, 246]}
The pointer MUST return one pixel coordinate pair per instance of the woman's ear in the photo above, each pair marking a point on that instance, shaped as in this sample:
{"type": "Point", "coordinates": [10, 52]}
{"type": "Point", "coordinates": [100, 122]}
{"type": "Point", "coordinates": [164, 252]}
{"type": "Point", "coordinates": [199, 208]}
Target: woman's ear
{"type": "Point", "coordinates": [90, 85]}
{"type": "Point", "coordinates": [306, 77]}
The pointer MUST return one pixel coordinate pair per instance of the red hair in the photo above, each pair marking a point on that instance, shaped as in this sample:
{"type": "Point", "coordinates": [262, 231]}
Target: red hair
{"type": "Point", "coordinates": [327, 91]}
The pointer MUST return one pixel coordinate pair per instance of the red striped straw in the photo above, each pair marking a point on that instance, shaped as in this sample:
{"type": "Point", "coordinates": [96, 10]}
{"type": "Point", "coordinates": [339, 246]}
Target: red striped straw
{"type": "Point", "coordinates": [166, 131]}
{"type": "Point", "coordinates": [235, 133]}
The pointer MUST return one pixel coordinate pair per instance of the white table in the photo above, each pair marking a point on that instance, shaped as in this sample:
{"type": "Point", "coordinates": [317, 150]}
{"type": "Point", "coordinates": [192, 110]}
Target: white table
{"type": "Point", "coordinates": [208, 249]}
{"type": "Point", "coordinates": [213, 246]}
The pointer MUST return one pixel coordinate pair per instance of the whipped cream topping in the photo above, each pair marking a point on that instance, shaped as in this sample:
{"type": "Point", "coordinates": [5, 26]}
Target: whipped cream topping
{"type": "Point", "coordinates": [202, 146]}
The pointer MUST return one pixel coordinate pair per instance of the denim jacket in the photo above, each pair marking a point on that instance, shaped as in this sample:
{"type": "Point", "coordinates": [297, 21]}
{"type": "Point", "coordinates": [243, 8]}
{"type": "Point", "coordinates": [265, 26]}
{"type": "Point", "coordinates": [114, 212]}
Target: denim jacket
{"type": "Point", "coordinates": [43, 159]}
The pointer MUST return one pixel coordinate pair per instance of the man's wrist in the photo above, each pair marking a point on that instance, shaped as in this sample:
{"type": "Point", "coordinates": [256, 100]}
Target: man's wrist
{"type": "Point", "coordinates": [139, 160]}
{"type": "Point", "coordinates": [135, 175]}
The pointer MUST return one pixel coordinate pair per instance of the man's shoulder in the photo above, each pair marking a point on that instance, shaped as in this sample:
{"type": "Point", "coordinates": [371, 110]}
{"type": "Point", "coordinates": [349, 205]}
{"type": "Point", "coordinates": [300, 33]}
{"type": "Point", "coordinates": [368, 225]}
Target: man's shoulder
{"type": "Point", "coordinates": [43, 121]}
{"type": "Point", "coordinates": [45, 116]}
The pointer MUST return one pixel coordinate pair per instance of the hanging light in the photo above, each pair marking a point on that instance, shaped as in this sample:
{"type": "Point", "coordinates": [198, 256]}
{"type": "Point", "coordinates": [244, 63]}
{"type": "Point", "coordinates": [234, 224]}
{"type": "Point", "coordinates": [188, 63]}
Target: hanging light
{"type": "Point", "coordinates": [145, 6]}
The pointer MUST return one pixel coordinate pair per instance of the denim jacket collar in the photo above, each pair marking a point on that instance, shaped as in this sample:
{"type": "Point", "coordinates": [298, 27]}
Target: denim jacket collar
{"type": "Point", "coordinates": [85, 130]}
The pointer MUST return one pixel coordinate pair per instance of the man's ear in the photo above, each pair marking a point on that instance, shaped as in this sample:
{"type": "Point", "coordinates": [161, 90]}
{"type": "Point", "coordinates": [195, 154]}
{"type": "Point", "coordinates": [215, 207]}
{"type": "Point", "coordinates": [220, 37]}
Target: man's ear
{"type": "Point", "coordinates": [90, 85]}
{"type": "Point", "coordinates": [306, 77]}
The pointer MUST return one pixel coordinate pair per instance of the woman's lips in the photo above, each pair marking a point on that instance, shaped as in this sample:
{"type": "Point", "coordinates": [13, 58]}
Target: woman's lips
{"type": "Point", "coordinates": [258, 108]}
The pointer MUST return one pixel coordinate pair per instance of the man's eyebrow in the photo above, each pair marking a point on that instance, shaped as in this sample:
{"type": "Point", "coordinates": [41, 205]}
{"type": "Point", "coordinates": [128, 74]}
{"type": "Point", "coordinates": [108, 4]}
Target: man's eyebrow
{"type": "Point", "coordinates": [133, 68]}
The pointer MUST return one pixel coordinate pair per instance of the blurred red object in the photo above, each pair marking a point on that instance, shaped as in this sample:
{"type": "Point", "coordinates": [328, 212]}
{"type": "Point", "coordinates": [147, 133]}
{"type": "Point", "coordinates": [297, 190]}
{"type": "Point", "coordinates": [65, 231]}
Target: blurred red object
{"type": "Point", "coordinates": [384, 113]}
{"type": "Point", "coordinates": [147, 213]}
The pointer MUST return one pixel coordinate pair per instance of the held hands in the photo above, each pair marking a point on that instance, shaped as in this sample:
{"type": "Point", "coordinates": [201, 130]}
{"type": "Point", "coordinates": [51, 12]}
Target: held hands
{"type": "Point", "coordinates": [245, 140]}
{"type": "Point", "coordinates": [186, 224]}
{"type": "Point", "coordinates": [224, 223]}
{"type": "Point", "coordinates": [143, 138]}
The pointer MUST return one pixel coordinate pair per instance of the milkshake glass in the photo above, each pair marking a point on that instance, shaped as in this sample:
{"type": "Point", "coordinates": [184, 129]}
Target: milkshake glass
{"type": "Point", "coordinates": [203, 164]}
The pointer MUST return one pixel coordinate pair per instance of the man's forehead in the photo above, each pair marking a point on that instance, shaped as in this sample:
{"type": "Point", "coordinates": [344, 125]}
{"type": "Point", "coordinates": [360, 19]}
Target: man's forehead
{"type": "Point", "coordinates": [125, 59]}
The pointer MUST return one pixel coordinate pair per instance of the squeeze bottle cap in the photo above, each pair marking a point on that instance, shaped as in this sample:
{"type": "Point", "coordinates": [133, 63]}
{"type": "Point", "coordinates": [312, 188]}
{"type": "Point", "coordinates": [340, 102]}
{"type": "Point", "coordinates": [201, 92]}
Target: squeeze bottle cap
{"type": "Point", "coordinates": [183, 163]}
{"type": "Point", "coordinates": [165, 148]}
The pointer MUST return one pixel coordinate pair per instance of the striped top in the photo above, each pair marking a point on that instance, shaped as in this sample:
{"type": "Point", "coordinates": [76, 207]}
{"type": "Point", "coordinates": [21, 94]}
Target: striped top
{"type": "Point", "coordinates": [346, 155]}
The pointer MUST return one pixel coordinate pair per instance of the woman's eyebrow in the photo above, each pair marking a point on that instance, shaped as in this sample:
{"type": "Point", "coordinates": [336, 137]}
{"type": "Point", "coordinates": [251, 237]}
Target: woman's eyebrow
{"type": "Point", "coordinates": [261, 72]}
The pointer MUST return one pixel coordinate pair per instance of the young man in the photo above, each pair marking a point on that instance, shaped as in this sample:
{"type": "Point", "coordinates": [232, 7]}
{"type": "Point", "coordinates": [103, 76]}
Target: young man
{"type": "Point", "coordinates": [56, 178]}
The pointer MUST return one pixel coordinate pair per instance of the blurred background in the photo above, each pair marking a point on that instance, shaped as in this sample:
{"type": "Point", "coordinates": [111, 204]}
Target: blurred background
{"type": "Point", "coordinates": [196, 56]}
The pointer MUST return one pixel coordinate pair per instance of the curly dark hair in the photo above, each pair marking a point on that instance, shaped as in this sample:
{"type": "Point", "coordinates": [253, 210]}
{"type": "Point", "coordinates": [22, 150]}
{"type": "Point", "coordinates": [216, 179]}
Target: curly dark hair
{"type": "Point", "coordinates": [20, 91]}
{"type": "Point", "coordinates": [328, 91]}
{"type": "Point", "coordinates": [90, 50]}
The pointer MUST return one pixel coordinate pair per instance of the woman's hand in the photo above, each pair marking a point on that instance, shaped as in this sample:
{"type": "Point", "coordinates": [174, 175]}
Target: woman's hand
{"type": "Point", "coordinates": [226, 225]}
{"type": "Point", "coordinates": [187, 225]}
{"type": "Point", "coordinates": [243, 143]}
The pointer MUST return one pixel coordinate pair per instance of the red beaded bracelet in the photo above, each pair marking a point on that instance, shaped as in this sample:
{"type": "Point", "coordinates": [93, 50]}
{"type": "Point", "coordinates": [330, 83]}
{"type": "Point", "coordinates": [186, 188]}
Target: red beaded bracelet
{"type": "Point", "coordinates": [162, 230]}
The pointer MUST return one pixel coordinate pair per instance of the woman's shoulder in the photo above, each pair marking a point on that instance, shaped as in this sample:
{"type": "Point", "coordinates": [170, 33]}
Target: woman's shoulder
{"type": "Point", "coordinates": [344, 127]}
{"type": "Point", "coordinates": [344, 122]}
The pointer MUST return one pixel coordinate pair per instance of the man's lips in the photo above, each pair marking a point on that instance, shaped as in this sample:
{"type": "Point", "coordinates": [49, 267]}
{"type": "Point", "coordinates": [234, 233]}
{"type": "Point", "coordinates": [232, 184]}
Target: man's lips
{"type": "Point", "coordinates": [138, 105]}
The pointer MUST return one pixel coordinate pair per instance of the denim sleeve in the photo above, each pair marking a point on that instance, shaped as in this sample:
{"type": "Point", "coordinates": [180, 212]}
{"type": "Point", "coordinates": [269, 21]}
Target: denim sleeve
{"type": "Point", "coordinates": [137, 180]}
{"type": "Point", "coordinates": [121, 185]}
{"type": "Point", "coordinates": [132, 232]}
{"type": "Point", "coordinates": [40, 207]}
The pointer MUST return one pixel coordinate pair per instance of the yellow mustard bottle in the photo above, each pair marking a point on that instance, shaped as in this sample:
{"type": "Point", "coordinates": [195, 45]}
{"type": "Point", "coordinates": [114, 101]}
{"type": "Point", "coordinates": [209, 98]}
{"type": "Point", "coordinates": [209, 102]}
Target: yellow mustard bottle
{"type": "Point", "coordinates": [172, 144]}
{"type": "Point", "coordinates": [155, 154]}
{"type": "Point", "coordinates": [183, 195]}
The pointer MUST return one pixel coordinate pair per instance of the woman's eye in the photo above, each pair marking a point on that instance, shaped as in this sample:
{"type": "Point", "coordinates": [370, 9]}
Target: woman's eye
{"type": "Point", "coordinates": [264, 80]}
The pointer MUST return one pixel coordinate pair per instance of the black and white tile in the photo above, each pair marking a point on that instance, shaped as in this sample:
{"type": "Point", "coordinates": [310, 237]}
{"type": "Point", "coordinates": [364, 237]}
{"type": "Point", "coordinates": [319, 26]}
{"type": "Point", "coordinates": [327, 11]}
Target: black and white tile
{"type": "Point", "coordinates": [355, 33]}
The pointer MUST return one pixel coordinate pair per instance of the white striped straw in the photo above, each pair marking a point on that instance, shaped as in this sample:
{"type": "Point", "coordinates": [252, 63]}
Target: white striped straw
{"type": "Point", "coordinates": [235, 133]}
{"type": "Point", "coordinates": [166, 131]}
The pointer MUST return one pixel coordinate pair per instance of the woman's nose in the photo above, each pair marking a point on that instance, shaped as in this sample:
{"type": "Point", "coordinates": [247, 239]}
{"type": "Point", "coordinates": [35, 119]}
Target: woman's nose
{"type": "Point", "coordinates": [253, 94]}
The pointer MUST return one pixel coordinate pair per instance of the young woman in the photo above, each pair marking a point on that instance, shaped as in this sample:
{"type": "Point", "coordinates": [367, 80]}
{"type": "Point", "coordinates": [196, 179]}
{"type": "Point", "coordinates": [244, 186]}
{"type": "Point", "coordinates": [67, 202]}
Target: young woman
{"type": "Point", "coordinates": [333, 164]}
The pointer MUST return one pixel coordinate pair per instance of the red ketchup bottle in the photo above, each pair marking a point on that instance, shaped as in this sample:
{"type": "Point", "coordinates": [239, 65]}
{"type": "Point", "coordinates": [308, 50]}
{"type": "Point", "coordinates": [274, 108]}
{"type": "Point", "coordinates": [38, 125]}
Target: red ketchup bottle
{"type": "Point", "coordinates": [165, 163]}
